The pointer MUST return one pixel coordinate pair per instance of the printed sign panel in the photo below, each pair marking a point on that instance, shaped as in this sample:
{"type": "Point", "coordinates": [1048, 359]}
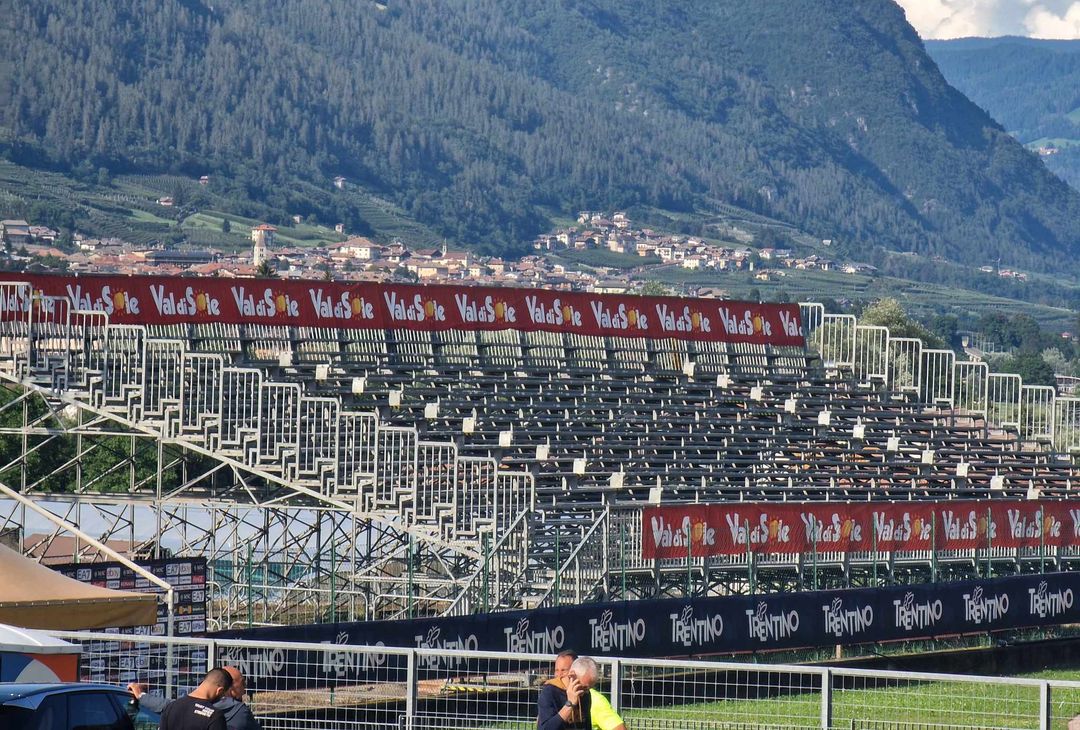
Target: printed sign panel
{"type": "Point", "coordinates": [666, 627]}
{"type": "Point", "coordinates": [151, 300]}
{"type": "Point", "coordinates": [702, 530]}
{"type": "Point", "coordinates": [140, 661]}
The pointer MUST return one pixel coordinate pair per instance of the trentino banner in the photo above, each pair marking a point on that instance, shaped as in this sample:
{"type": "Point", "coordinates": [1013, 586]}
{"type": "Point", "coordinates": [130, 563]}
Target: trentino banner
{"type": "Point", "coordinates": [735, 528]}
{"type": "Point", "coordinates": [151, 300]}
{"type": "Point", "coordinates": [663, 627]}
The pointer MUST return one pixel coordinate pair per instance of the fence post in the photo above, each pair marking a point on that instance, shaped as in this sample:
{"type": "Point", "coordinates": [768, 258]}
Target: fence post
{"type": "Point", "coordinates": [622, 558]}
{"type": "Point", "coordinates": [933, 546]}
{"type": "Point", "coordinates": [616, 685]}
{"type": "Point", "coordinates": [689, 563]}
{"type": "Point", "coordinates": [411, 689]}
{"type": "Point", "coordinates": [558, 566]}
{"type": "Point", "coordinates": [170, 668]}
{"type": "Point", "coordinates": [1042, 540]}
{"type": "Point", "coordinates": [211, 655]}
{"type": "Point", "coordinates": [333, 582]}
{"type": "Point", "coordinates": [826, 699]}
{"type": "Point", "coordinates": [1045, 708]}
{"type": "Point", "coordinates": [484, 586]}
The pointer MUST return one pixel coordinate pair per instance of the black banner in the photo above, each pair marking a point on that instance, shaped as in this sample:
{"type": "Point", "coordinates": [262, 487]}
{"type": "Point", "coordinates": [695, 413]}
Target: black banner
{"type": "Point", "coordinates": [187, 576]}
{"type": "Point", "coordinates": [670, 627]}
{"type": "Point", "coordinates": [124, 659]}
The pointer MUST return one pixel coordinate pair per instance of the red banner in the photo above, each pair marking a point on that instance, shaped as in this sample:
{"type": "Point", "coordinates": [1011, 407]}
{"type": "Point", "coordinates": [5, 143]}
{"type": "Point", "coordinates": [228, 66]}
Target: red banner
{"type": "Point", "coordinates": [733, 529]}
{"type": "Point", "coordinates": [153, 300]}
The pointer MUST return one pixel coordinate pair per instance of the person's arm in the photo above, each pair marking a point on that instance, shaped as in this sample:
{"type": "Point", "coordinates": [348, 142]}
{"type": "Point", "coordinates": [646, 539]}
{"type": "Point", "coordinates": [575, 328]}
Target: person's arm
{"type": "Point", "coordinates": [243, 719]}
{"type": "Point", "coordinates": [151, 702]}
{"type": "Point", "coordinates": [562, 714]}
{"type": "Point", "coordinates": [548, 710]}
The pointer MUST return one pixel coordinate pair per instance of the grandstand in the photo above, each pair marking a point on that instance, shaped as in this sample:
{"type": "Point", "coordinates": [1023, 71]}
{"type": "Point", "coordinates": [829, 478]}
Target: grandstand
{"type": "Point", "coordinates": [390, 471]}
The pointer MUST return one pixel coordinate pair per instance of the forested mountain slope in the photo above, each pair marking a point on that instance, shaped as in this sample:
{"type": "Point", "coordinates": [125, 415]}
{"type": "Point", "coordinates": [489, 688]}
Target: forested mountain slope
{"type": "Point", "coordinates": [475, 116]}
{"type": "Point", "coordinates": [1031, 86]}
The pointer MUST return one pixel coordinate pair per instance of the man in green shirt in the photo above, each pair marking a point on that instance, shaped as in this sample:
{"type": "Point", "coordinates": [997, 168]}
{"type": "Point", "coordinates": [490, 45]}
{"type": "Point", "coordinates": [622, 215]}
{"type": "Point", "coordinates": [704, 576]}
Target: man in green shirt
{"type": "Point", "coordinates": [603, 714]}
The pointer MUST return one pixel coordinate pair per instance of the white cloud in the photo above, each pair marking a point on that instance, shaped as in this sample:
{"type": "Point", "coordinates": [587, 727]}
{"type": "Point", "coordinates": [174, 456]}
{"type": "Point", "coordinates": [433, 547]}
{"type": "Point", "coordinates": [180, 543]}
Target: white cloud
{"type": "Point", "coordinates": [1044, 23]}
{"type": "Point", "coordinates": [961, 18]}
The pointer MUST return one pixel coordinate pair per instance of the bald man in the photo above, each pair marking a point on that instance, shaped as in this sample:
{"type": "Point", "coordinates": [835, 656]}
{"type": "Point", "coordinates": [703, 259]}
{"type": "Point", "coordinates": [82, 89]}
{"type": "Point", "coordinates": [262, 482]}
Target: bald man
{"type": "Point", "coordinates": [238, 715]}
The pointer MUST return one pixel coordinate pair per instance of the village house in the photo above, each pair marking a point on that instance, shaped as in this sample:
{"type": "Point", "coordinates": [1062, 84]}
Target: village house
{"type": "Point", "coordinates": [455, 260]}
{"type": "Point", "coordinates": [610, 286]}
{"type": "Point", "coordinates": [360, 247]}
{"type": "Point", "coordinates": [16, 232]}
{"type": "Point", "coordinates": [43, 234]}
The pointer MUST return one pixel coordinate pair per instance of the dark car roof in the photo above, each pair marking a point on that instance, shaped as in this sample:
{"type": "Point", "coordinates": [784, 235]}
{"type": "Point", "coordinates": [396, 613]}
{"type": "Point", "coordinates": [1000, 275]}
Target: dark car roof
{"type": "Point", "coordinates": [18, 691]}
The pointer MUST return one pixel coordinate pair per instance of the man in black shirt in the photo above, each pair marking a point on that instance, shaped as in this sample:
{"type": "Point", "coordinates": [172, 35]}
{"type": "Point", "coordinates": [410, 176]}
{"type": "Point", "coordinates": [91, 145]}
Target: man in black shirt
{"type": "Point", "coordinates": [238, 715]}
{"type": "Point", "coordinates": [196, 711]}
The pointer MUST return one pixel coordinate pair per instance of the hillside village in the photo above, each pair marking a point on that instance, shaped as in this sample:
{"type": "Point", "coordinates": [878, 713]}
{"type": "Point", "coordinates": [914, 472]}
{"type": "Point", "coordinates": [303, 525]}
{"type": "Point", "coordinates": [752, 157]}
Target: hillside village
{"type": "Point", "coordinates": [359, 258]}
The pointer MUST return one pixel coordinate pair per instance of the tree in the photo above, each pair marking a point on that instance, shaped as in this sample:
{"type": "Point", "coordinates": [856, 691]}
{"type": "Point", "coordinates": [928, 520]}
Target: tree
{"type": "Point", "coordinates": [655, 289]}
{"type": "Point", "coordinates": [889, 313]}
{"type": "Point", "coordinates": [226, 226]}
{"type": "Point", "coordinates": [1031, 367]}
{"type": "Point", "coordinates": [265, 270]}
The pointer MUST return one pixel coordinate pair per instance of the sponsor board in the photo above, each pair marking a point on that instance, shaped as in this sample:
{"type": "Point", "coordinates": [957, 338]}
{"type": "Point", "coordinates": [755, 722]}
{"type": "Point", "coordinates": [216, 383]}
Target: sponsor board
{"type": "Point", "coordinates": [188, 577]}
{"type": "Point", "coordinates": [703, 530]}
{"type": "Point", "coordinates": [670, 627]}
{"type": "Point", "coordinates": [158, 300]}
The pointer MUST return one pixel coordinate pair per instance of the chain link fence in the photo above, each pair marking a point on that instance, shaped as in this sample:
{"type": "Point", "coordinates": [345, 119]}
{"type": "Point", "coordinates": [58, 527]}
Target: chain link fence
{"type": "Point", "coordinates": [445, 684]}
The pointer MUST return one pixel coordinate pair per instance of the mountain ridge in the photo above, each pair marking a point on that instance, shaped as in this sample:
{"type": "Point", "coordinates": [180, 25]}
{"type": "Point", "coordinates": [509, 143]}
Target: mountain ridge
{"type": "Point", "coordinates": [1031, 86]}
{"type": "Point", "coordinates": [474, 118]}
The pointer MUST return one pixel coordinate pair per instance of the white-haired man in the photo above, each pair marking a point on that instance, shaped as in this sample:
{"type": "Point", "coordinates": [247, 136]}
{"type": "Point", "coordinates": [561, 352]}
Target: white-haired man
{"type": "Point", "coordinates": [603, 714]}
{"type": "Point", "coordinates": [564, 702]}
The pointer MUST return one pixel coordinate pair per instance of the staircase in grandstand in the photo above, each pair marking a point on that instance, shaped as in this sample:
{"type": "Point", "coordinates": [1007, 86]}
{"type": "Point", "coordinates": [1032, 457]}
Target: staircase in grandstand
{"type": "Point", "coordinates": [518, 463]}
{"type": "Point", "coordinates": [309, 447]}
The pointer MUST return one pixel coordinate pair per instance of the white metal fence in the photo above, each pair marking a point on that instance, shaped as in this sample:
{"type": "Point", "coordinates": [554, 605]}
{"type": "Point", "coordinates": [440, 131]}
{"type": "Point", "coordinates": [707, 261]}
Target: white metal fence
{"type": "Point", "coordinates": [873, 355]}
{"type": "Point", "coordinates": [445, 684]}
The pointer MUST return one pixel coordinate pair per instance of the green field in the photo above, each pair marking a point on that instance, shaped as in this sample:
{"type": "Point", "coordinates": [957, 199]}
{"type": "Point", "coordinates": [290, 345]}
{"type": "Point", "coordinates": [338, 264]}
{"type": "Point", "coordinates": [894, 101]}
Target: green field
{"type": "Point", "coordinates": [127, 208]}
{"type": "Point", "coordinates": [857, 702]}
{"type": "Point", "coordinates": [1059, 142]}
{"type": "Point", "coordinates": [918, 299]}
{"type": "Point", "coordinates": [952, 704]}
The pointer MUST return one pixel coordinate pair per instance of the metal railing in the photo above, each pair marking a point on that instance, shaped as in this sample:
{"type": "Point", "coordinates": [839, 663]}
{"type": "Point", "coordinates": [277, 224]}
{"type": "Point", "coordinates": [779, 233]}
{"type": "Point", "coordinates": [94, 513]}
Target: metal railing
{"type": "Point", "coordinates": [583, 570]}
{"type": "Point", "coordinates": [1036, 413]}
{"type": "Point", "coordinates": [346, 687]}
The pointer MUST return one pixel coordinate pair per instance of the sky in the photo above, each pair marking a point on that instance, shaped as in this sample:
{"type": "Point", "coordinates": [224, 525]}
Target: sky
{"type": "Point", "coordinates": [964, 18]}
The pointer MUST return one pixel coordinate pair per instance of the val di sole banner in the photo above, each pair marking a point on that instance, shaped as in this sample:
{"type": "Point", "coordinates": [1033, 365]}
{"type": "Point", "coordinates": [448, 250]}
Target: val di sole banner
{"type": "Point", "coordinates": [702, 530]}
{"type": "Point", "coordinates": [662, 628]}
{"type": "Point", "coordinates": [149, 300]}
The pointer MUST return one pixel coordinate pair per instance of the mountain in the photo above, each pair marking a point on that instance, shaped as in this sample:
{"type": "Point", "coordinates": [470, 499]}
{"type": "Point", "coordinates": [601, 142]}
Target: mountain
{"type": "Point", "coordinates": [1031, 86]}
{"type": "Point", "coordinates": [480, 118]}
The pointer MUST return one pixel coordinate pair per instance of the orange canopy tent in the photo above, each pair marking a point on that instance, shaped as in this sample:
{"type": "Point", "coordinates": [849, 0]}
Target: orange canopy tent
{"type": "Point", "coordinates": [36, 597]}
